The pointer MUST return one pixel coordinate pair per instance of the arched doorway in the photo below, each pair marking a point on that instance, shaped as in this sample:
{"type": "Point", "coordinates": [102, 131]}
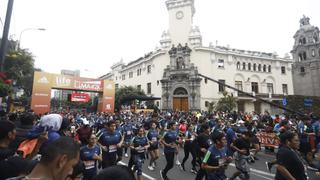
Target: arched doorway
{"type": "Point", "coordinates": [180, 100]}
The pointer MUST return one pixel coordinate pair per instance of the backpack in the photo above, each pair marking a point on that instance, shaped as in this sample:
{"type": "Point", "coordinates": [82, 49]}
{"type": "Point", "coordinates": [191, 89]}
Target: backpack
{"type": "Point", "coordinates": [27, 146]}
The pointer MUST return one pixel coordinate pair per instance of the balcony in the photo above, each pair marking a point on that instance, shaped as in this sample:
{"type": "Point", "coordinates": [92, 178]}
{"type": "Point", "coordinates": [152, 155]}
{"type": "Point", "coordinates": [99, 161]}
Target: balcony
{"type": "Point", "coordinates": [265, 96]}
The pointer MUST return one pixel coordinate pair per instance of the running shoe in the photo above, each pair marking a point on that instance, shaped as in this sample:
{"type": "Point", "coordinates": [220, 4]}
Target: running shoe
{"type": "Point", "coordinates": [150, 168]}
{"type": "Point", "coordinates": [269, 166]}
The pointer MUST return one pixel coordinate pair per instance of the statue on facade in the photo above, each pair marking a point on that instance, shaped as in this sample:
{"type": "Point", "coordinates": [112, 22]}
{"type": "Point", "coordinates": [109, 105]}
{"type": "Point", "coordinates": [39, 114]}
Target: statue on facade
{"type": "Point", "coordinates": [180, 63]}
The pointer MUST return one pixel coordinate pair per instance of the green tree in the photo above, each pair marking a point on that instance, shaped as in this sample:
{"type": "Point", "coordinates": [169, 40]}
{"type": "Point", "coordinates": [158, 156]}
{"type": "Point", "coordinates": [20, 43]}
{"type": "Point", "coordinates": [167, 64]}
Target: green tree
{"type": "Point", "coordinates": [126, 92]}
{"type": "Point", "coordinates": [211, 106]}
{"type": "Point", "coordinates": [226, 103]}
{"type": "Point", "coordinates": [19, 66]}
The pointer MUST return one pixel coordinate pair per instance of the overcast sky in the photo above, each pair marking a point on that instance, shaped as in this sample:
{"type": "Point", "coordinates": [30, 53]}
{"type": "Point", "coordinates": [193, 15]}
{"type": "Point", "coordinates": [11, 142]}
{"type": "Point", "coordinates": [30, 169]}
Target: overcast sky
{"type": "Point", "coordinates": [92, 35]}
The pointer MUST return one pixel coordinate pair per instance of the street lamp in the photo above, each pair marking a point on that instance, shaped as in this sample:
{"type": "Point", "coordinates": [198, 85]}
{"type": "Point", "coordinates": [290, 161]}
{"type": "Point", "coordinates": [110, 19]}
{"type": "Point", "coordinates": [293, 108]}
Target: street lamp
{"type": "Point", "coordinates": [28, 29]}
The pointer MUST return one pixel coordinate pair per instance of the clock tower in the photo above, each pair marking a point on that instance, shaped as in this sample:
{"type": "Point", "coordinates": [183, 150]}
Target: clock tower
{"type": "Point", "coordinates": [180, 20]}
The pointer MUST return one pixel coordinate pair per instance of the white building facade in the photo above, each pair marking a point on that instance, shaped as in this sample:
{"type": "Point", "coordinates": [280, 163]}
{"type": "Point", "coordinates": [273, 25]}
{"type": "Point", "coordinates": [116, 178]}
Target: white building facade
{"type": "Point", "coordinates": [171, 72]}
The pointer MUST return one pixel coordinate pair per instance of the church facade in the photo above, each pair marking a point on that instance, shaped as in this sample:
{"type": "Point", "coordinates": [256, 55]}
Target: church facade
{"type": "Point", "coordinates": [171, 72]}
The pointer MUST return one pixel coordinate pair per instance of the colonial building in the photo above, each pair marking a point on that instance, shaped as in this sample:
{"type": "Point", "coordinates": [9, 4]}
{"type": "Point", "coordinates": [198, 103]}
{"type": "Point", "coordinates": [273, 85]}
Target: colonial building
{"type": "Point", "coordinates": [306, 57]}
{"type": "Point", "coordinates": [171, 72]}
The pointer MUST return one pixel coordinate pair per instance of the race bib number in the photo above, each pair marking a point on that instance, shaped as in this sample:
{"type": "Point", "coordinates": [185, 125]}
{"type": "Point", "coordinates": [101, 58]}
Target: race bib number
{"type": "Point", "coordinates": [140, 150]}
{"type": "Point", "coordinates": [112, 148]}
{"type": "Point", "coordinates": [154, 139]}
{"type": "Point", "coordinates": [129, 132]}
{"type": "Point", "coordinates": [89, 164]}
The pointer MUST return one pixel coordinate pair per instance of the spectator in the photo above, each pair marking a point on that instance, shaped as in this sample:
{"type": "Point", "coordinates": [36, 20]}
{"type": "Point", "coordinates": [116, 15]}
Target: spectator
{"type": "Point", "coordinates": [290, 163]}
{"type": "Point", "coordinates": [27, 121]}
{"type": "Point", "coordinates": [58, 160]}
{"type": "Point", "coordinates": [116, 172]}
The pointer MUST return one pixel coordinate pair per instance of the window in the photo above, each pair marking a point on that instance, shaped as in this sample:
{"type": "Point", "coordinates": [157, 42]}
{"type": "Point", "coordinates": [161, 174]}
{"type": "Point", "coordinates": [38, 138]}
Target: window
{"type": "Point", "coordinates": [148, 88]}
{"type": "Point", "coordinates": [269, 68]}
{"type": "Point", "coordinates": [264, 68]}
{"type": "Point", "coordinates": [205, 80]}
{"type": "Point", "coordinates": [254, 87]}
{"type": "Point", "coordinates": [302, 70]}
{"type": "Point", "coordinates": [270, 88]}
{"type": "Point", "coordinates": [139, 87]}
{"type": "Point", "coordinates": [302, 56]}
{"type": "Point", "coordinates": [238, 65]}
{"type": "Point", "coordinates": [302, 41]}
{"type": "Point", "coordinates": [313, 53]}
{"type": "Point", "coordinates": [259, 67]}
{"type": "Point", "coordinates": [130, 74]}
{"type": "Point", "coordinates": [238, 85]}
{"type": "Point", "coordinates": [221, 86]}
{"type": "Point", "coordinates": [283, 70]}
{"type": "Point", "coordinates": [139, 72]}
{"type": "Point", "coordinates": [206, 103]}
{"type": "Point", "coordinates": [149, 69]}
{"type": "Point", "coordinates": [123, 76]}
{"type": "Point", "coordinates": [116, 86]}
{"type": "Point", "coordinates": [243, 66]}
{"type": "Point", "coordinates": [249, 66]}
{"type": "Point", "coordinates": [158, 83]}
{"type": "Point", "coordinates": [220, 63]}
{"type": "Point", "coordinates": [285, 88]}
{"type": "Point", "coordinates": [254, 67]}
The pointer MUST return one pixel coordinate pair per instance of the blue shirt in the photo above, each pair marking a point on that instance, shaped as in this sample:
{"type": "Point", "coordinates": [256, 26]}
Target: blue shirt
{"type": "Point", "coordinates": [153, 136]}
{"type": "Point", "coordinates": [86, 155]}
{"type": "Point", "coordinates": [110, 140]}
{"type": "Point", "coordinates": [170, 137]}
{"type": "Point", "coordinates": [139, 141]}
{"type": "Point", "coordinates": [230, 136]}
{"type": "Point", "coordinates": [212, 158]}
{"type": "Point", "coordinates": [127, 132]}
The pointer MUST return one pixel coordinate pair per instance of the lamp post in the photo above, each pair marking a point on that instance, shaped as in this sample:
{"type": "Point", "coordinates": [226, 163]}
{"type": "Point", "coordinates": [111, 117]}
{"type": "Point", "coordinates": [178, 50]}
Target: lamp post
{"type": "Point", "coordinates": [28, 29]}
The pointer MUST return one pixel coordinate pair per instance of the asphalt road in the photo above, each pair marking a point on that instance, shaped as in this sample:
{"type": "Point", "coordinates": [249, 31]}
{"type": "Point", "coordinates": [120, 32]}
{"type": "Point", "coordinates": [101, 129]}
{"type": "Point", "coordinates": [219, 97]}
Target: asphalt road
{"type": "Point", "coordinates": [258, 169]}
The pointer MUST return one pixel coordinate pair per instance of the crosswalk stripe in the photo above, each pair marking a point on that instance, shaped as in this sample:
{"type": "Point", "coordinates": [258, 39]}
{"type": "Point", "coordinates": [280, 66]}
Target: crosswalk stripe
{"type": "Point", "coordinates": [143, 174]}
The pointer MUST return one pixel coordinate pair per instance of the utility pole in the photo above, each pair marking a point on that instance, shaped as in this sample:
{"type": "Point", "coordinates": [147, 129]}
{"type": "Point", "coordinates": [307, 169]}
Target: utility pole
{"type": "Point", "coordinates": [4, 39]}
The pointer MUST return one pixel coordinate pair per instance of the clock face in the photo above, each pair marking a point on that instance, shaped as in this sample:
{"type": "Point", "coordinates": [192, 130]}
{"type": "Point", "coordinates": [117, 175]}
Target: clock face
{"type": "Point", "coordinates": [179, 15]}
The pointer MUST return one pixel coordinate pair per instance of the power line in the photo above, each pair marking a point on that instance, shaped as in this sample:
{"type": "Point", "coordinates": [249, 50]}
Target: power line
{"type": "Point", "coordinates": [255, 97]}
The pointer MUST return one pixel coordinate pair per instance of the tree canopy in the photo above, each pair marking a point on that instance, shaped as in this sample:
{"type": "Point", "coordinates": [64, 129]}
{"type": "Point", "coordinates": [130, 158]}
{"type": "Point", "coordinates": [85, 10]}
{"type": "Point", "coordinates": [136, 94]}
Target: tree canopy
{"type": "Point", "coordinates": [124, 93]}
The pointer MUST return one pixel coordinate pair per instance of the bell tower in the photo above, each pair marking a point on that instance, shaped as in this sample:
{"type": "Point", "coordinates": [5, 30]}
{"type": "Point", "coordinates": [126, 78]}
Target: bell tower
{"type": "Point", "coordinates": [180, 20]}
{"type": "Point", "coordinates": [306, 59]}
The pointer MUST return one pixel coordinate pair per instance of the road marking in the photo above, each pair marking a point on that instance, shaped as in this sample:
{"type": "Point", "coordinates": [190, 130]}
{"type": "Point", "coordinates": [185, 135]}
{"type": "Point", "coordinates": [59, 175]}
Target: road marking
{"type": "Point", "coordinates": [143, 174]}
{"type": "Point", "coordinates": [257, 171]}
{"type": "Point", "coordinates": [256, 174]}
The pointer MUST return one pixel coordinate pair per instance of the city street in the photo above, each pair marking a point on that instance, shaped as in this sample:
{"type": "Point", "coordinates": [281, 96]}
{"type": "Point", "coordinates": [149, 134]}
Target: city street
{"type": "Point", "coordinates": [258, 169]}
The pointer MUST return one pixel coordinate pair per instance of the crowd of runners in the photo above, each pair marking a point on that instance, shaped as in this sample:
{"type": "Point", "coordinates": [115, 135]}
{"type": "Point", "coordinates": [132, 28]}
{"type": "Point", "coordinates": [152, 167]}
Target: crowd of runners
{"type": "Point", "coordinates": [89, 146]}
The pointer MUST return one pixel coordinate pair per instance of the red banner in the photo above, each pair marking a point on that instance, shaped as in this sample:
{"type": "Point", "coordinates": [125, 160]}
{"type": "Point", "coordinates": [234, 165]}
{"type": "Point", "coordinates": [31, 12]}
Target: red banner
{"type": "Point", "coordinates": [268, 139]}
{"type": "Point", "coordinates": [79, 97]}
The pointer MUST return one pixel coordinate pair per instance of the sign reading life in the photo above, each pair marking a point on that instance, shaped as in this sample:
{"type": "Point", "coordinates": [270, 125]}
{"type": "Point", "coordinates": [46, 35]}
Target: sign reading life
{"type": "Point", "coordinates": [43, 83]}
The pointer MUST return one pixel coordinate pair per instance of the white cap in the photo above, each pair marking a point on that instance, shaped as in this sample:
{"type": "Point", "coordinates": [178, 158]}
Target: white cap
{"type": "Point", "coordinates": [241, 121]}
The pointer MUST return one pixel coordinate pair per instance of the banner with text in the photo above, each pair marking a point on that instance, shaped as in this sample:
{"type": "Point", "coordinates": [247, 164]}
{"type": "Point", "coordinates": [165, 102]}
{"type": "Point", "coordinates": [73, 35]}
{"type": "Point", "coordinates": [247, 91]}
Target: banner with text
{"type": "Point", "coordinates": [43, 83]}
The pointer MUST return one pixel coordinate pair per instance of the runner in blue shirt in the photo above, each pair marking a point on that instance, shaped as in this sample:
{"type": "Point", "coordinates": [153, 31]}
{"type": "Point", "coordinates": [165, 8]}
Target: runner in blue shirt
{"type": "Point", "coordinates": [139, 145]}
{"type": "Point", "coordinates": [153, 137]}
{"type": "Point", "coordinates": [216, 160]}
{"type": "Point", "coordinates": [90, 154]}
{"type": "Point", "coordinates": [127, 129]}
{"type": "Point", "coordinates": [110, 140]}
{"type": "Point", "coordinates": [169, 140]}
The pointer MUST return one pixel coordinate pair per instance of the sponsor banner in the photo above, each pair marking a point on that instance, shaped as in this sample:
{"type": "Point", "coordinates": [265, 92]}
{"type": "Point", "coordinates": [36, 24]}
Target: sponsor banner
{"type": "Point", "coordinates": [43, 82]}
{"type": "Point", "coordinates": [79, 97]}
{"type": "Point", "coordinates": [108, 96]}
{"type": "Point", "coordinates": [77, 83]}
{"type": "Point", "coordinates": [41, 92]}
{"type": "Point", "coordinates": [268, 139]}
